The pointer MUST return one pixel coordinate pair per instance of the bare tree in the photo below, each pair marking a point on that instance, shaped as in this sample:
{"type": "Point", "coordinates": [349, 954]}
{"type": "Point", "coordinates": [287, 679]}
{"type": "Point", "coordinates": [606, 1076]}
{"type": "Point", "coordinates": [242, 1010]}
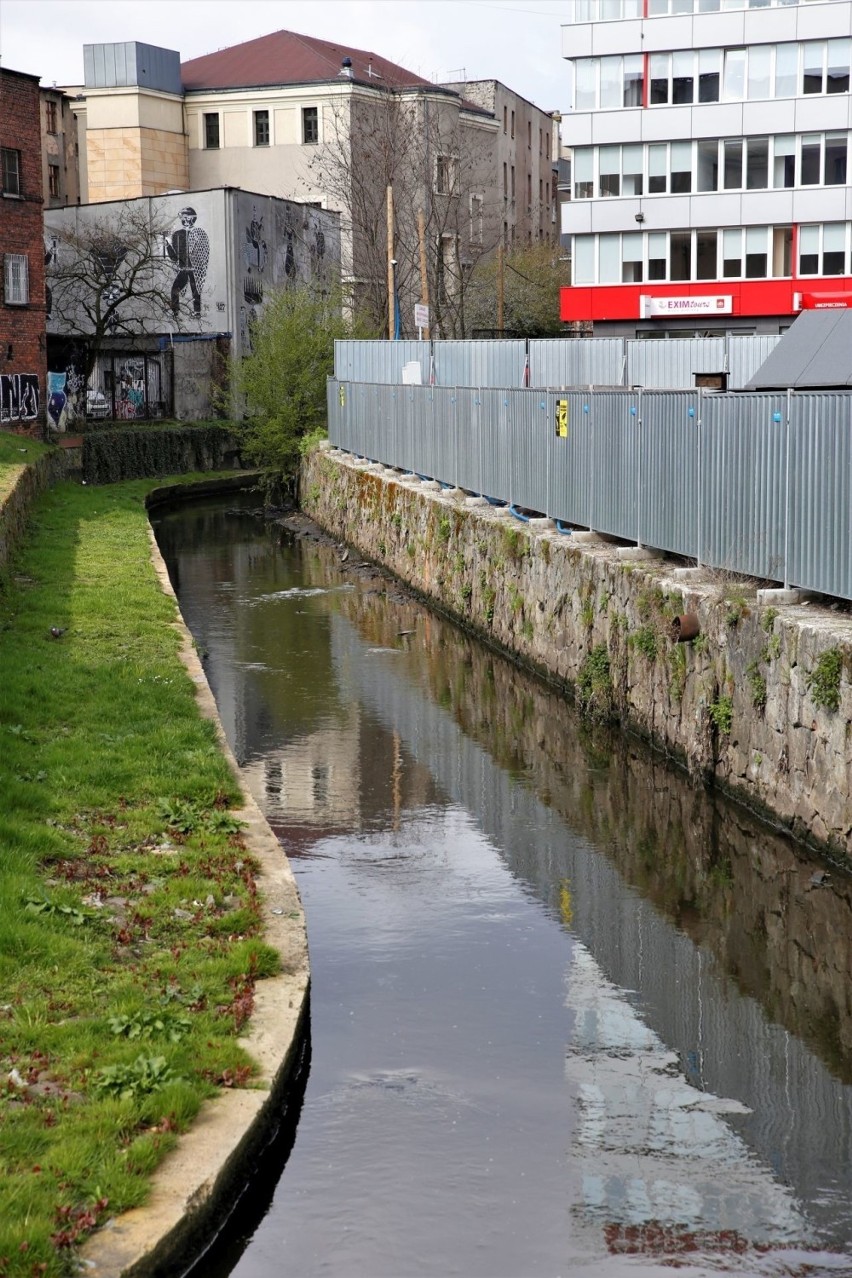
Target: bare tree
{"type": "Point", "coordinates": [117, 275]}
{"type": "Point", "coordinates": [532, 277]}
{"type": "Point", "coordinates": [439, 159]}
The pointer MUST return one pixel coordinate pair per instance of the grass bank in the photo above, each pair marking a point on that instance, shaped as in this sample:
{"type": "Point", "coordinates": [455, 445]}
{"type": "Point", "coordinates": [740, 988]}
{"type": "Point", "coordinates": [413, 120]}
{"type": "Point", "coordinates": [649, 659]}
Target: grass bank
{"type": "Point", "coordinates": [130, 926]}
{"type": "Point", "coordinates": [16, 452]}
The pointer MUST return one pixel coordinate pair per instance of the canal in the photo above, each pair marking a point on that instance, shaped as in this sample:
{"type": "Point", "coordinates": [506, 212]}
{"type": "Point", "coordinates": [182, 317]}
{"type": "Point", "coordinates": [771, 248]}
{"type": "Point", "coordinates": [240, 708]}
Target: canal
{"type": "Point", "coordinates": [570, 1014]}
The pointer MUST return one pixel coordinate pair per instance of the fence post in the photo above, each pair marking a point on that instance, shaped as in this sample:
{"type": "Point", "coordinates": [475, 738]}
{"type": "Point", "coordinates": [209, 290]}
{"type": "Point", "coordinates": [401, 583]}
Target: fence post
{"type": "Point", "coordinates": [787, 492]}
{"type": "Point", "coordinates": [699, 447]}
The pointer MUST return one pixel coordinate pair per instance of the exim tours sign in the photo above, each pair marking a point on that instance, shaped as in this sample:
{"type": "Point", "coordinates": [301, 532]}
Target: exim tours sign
{"type": "Point", "coordinates": [654, 307]}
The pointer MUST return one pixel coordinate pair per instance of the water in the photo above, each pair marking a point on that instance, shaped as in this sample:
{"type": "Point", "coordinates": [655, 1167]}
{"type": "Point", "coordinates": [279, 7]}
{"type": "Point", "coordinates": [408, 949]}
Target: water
{"type": "Point", "coordinates": [569, 1014]}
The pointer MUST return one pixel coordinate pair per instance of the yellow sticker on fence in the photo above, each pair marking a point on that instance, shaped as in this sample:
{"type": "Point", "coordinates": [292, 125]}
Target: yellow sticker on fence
{"type": "Point", "coordinates": [342, 395]}
{"type": "Point", "coordinates": [562, 418]}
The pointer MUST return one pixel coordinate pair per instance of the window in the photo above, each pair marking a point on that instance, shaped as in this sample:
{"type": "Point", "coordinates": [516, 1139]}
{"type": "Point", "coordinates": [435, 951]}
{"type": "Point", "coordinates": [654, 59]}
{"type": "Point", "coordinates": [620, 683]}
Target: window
{"type": "Point", "coordinates": [659, 66]}
{"type": "Point", "coordinates": [813, 59]}
{"type": "Point", "coordinates": [446, 174]}
{"type": "Point", "coordinates": [835, 159]}
{"type": "Point", "coordinates": [529, 135]}
{"type": "Point", "coordinates": [583, 174]}
{"type": "Point", "coordinates": [658, 165]}
{"type": "Point", "coordinates": [513, 124]}
{"type": "Point", "coordinates": [261, 128]}
{"type": "Point", "coordinates": [513, 181]}
{"type": "Point", "coordinates": [681, 179]}
{"type": "Point", "coordinates": [784, 171]}
{"type": "Point", "coordinates": [631, 258]}
{"type": "Point", "coordinates": [609, 180]}
{"type": "Point", "coordinates": [705, 255]}
{"type": "Point", "coordinates": [683, 71]}
{"type": "Point", "coordinates": [732, 254]}
{"type": "Point", "coordinates": [11, 176]}
{"type": "Point", "coordinates": [757, 164]}
{"type": "Point", "coordinates": [733, 164]}
{"type": "Point", "coordinates": [505, 119]}
{"type": "Point", "coordinates": [633, 80]}
{"type": "Point", "coordinates": [782, 250]}
{"type": "Point", "coordinates": [709, 62]}
{"type": "Point", "coordinates": [529, 192]}
{"type": "Point", "coordinates": [476, 203]}
{"type": "Point", "coordinates": [758, 72]}
{"type": "Point", "coordinates": [583, 263]}
{"type": "Point", "coordinates": [310, 125]}
{"type": "Point", "coordinates": [810, 170]}
{"type": "Point", "coordinates": [808, 250]}
{"type": "Point", "coordinates": [680, 255]}
{"type": "Point", "coordinates": [53, 179]}
{"type": "Point", "coordinates": [834, 249]}
{"type": "Point", "coordinates": [837, 72]}
{"type": "Point", "coordinates": [585, 84]}
{"type": "Point", "coordinates": [631, 169]}
{"type": "Point", "coordinates": [708, 165]}
{"type": "Point", "coordinates": [611, 91]}
{"type": "Point", "coordinates": [756, 260]}
{"type": "Point", "coordinates": [50, 116]}
{"type": "Point", "coordinates": [786, 70]}
{"type": "Point", "coordinates": [506, 177]}
{"type": "Point", "coordinates": [211, 131]}
{"type": "Point", "coordinates": [734, 77]}
{"type": "Point", "coordinates": [658, 255]}
{"type": "Point", "coordinates": [16, 281]}
{"type": "Point", "coordinates": [609, 259]}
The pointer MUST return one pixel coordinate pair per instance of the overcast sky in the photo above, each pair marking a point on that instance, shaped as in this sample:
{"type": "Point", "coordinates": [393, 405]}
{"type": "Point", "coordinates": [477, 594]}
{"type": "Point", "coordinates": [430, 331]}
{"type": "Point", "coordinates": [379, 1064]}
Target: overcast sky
{"type": "Point", "coordinates": [516, 41]}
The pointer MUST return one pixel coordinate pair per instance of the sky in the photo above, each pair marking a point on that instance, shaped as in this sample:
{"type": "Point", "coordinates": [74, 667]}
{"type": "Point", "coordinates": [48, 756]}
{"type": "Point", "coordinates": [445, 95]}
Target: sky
{"type": "Point", "coordinates": [516, 41]}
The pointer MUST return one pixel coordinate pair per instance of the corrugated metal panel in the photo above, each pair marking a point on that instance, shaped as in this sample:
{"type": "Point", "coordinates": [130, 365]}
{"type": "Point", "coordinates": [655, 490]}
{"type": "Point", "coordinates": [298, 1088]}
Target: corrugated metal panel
{"type": "Point", "coordinates": [668, 517]}
{"type": "Point", "coordinates": [746, 354]}
{"type": "Point", "coordinates": [484, 363]}
{"type": "Point", "coordinates": [380, 362]}
{"type": "Point", "coordinates": [742, 468]}
{"type": "Point", "coordinates": [704, 476]}
{"type": "Point", "coordinates": [584, 361]}
{"type": "Point", "coordinates": [672, 364]}
{"type": "Point", "coordinates": [820, 497]}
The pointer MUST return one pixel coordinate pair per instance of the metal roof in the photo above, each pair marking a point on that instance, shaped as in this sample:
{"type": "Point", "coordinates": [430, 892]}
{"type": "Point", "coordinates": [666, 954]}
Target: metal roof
{"type": "Point", "coordinates": [814, 353]}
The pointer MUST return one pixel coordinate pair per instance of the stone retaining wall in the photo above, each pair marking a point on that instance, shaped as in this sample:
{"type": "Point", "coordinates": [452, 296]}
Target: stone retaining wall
{"type": "Point", "coordinates": [759, 702]}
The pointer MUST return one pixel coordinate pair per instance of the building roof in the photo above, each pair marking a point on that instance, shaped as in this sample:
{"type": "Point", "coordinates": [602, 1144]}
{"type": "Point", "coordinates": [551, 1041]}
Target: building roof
{"type": "Point", "coordinates": [285, 57]}
{"type": "Point", "coordinates": [815, 352]}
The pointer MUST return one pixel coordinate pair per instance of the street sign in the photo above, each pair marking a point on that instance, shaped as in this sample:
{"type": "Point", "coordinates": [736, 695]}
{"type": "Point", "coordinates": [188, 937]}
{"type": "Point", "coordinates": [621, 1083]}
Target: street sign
{"type": "Point", "coordinates": [421, 315]}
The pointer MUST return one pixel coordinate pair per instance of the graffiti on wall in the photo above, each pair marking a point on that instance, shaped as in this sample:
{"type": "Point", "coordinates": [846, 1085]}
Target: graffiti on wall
{"type": "Point", "coordinates": [130, 388]}
{"type": "Point", "coordinates": [63, 398]}
{"type": "Point", "coordinates": [19, 397]}
{"type": "Point", "coordinates": [188, 249]}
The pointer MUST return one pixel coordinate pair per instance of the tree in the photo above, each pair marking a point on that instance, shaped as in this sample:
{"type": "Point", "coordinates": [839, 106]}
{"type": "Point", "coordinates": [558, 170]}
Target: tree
{"type": "Point", "coordinates": [282, 383]}
{"type": "Point", "coordinates": [532, 278]}
{"type": "Point", "coordinates": [113, 275]}
{"type": "Point", "coordinates": [438, 157]}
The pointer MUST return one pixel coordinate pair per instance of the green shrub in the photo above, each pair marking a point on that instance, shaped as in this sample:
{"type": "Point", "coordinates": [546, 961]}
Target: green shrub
{"type": "Point", "coordinates": [824, 679]}
{"type": "Point", "coordinates": [138, 452]}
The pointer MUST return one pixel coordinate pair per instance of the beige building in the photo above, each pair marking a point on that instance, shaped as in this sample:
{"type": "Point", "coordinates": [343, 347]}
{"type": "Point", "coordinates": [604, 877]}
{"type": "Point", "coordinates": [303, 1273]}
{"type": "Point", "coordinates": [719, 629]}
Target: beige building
{"type": "Point", "coordinates": [60, 151]}
{"type": "Point", "coordinates": [470, 165]}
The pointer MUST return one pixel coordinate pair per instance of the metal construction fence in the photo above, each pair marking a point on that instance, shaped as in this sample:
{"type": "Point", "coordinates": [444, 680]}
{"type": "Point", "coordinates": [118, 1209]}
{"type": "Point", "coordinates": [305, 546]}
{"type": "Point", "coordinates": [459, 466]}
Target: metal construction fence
{"type": "Point", "coordinates": [557, 362]}
{"type": "Point", "coordinates": [757, 483]}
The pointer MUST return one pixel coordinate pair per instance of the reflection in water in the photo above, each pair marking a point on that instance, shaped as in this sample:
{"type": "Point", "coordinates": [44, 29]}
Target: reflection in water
{"type": "Point", "coordinates": [566, 1008]}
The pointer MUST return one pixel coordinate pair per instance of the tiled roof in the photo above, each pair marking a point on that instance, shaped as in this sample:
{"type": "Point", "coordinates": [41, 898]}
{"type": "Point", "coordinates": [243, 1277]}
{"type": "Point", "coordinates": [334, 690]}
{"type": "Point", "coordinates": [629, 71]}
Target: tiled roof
{"type": "Point", "coordinates": [285, 57]}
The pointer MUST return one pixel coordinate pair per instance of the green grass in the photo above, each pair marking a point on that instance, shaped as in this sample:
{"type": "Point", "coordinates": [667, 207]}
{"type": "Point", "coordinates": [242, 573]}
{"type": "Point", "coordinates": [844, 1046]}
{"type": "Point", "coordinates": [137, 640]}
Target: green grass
{"type": "Point", "coordinates": [130, 929]}
{"type": "Point", "coordinates": [16, 452]}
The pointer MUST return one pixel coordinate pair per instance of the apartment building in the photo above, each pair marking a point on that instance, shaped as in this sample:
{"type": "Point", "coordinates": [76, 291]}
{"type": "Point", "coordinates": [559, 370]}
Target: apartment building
{"type": "Point", "coordinates": [23, 364]}
{"type": "Point", "coordinates": [60, 151]}
{"type": "Point", "coordinates": [710, 174]}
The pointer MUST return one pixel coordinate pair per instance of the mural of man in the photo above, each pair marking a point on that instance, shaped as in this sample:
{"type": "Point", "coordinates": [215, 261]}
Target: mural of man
{"type": "Point", "coordinates": [189, 249]}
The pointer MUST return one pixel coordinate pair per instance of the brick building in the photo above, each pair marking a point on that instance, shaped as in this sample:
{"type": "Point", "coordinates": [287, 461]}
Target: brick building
{"type": "Point", "coordinates": [23, 366]}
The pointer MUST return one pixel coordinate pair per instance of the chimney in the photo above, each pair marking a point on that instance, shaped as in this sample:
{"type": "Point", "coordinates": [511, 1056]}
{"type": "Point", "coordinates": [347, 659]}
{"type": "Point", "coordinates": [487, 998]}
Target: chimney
{"type": "Point", "coordinates": [346, 68]}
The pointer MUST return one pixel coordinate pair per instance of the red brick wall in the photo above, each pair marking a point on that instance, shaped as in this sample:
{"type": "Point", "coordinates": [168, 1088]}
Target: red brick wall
{"type": "Point", "coordinates": [22, 328]}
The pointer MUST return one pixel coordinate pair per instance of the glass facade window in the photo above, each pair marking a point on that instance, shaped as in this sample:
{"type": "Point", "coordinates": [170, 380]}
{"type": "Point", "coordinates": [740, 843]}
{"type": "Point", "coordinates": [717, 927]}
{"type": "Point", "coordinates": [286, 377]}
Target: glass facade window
{"type": "Point", "coordinates": [732, 253]}
{"type": "Point", "coordinates": [708, 165]}
{"type": "Point", "coordinates": [584, 173]}
{"type": "Point", "coordinates": [808, 250]}
{"type": "Point", "coordinates": [786, 70]}
{"type": "Point", "coordinates": [734, 75]}
{"type": "Point", "coordinates": [681, 168]}
{"type": "Point", "coordinates": [784, 164]}
{"type": "Point", "coordinates": [680, 255]}
{"type": "Point", "coordinates": [757, 164]}
{"type": "Point", "coordinates": [585, 84]}
{"type": "Point", "coordinates": [733, 148]}
{"type": "Point", "coordinates": [837, 66]}
{"type": "Point", "coordinates": [756, 258]}
{"type": "Point", "coordinates": [631, 170]}
{"type": "Point", "coordinates": [709, 64]}
{"type": "Point", "coordinates": [583, 263]}
{"type": "Point", "coordinates": [759, 68]}
{"type": "Point", "coordinates": [810, 174]}
{"type": "Point", "coordinates": [609, 179]}
{"type": "Point", "coordinates": [813, 62]}
{"type": "Point", "coordinates": [611, 92]}
{"type": "Point", "coordinates": [834, 249]}
{"type": "Point", "coordinates": [634, 71]}
{"type": "Point", "coordinates": [659, 66]}
{"type": "Point", "coordinates": [609, 259]}
{"type": "Point", "coordinates": [836, 148]}
{"type": "Point", "coordinates": [658, 165]}
{"type": "Point", "coordinates": [658, 255]}
{"type": "Point", "coordinates": [631, 258]}
{"type": "Point", "coordinates": [706, 255]}
{"type": "Point", "coordinates": [683, 76]}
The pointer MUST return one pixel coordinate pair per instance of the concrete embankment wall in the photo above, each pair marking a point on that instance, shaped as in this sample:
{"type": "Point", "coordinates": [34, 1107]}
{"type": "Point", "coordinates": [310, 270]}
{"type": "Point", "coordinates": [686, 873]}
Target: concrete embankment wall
{"type": "Point", "coordinates": [759, 702]}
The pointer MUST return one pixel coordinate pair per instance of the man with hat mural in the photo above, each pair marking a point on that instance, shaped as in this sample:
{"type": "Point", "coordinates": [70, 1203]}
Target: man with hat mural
{"type": "Point", "coordinates": [189, 249]}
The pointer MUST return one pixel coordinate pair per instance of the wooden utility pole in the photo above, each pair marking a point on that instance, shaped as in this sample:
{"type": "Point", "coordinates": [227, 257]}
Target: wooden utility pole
{"type": "Point", "coordinates": [391, 290]}
{"type": "Point", "coordinates": [500, 287]}
{"type": "Point", "coordinates": [424, 274]}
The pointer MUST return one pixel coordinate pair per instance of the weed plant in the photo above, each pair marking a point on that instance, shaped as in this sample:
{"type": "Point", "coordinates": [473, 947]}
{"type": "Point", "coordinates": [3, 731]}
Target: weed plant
{"type": "Point", "coordinates": [130, 928]}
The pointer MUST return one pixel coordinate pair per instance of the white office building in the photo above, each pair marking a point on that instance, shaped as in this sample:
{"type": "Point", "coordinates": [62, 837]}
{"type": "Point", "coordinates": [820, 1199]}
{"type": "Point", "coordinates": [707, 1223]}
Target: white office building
{"type": "Point", "coordinates": [710, 182]}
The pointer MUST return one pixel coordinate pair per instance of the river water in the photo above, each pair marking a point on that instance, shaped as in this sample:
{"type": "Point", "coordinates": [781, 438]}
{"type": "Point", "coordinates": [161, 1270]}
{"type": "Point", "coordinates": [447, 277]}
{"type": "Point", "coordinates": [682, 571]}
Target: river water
{"type": "Point", "coordinates": [569, 1013]}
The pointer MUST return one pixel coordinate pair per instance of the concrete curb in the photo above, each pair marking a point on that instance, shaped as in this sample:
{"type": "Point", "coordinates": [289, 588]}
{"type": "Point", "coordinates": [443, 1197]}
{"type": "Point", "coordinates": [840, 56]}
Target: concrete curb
{"type": "Point", "coordinates": [197, 1184]}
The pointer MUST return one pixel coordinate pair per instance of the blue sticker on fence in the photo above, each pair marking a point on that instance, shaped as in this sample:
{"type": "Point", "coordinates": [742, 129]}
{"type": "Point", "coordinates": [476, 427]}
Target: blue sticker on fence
{"type": "Point", "coordinates": [632, 411]}
{"type": "Point", "coordinates": [776, 417]}
{"type": "Point", "coordinates": [585, 408]}
{"type": "Point", "coordinates": [690, 412]}
{"type": "Point", "coordinates": [542, 404]}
